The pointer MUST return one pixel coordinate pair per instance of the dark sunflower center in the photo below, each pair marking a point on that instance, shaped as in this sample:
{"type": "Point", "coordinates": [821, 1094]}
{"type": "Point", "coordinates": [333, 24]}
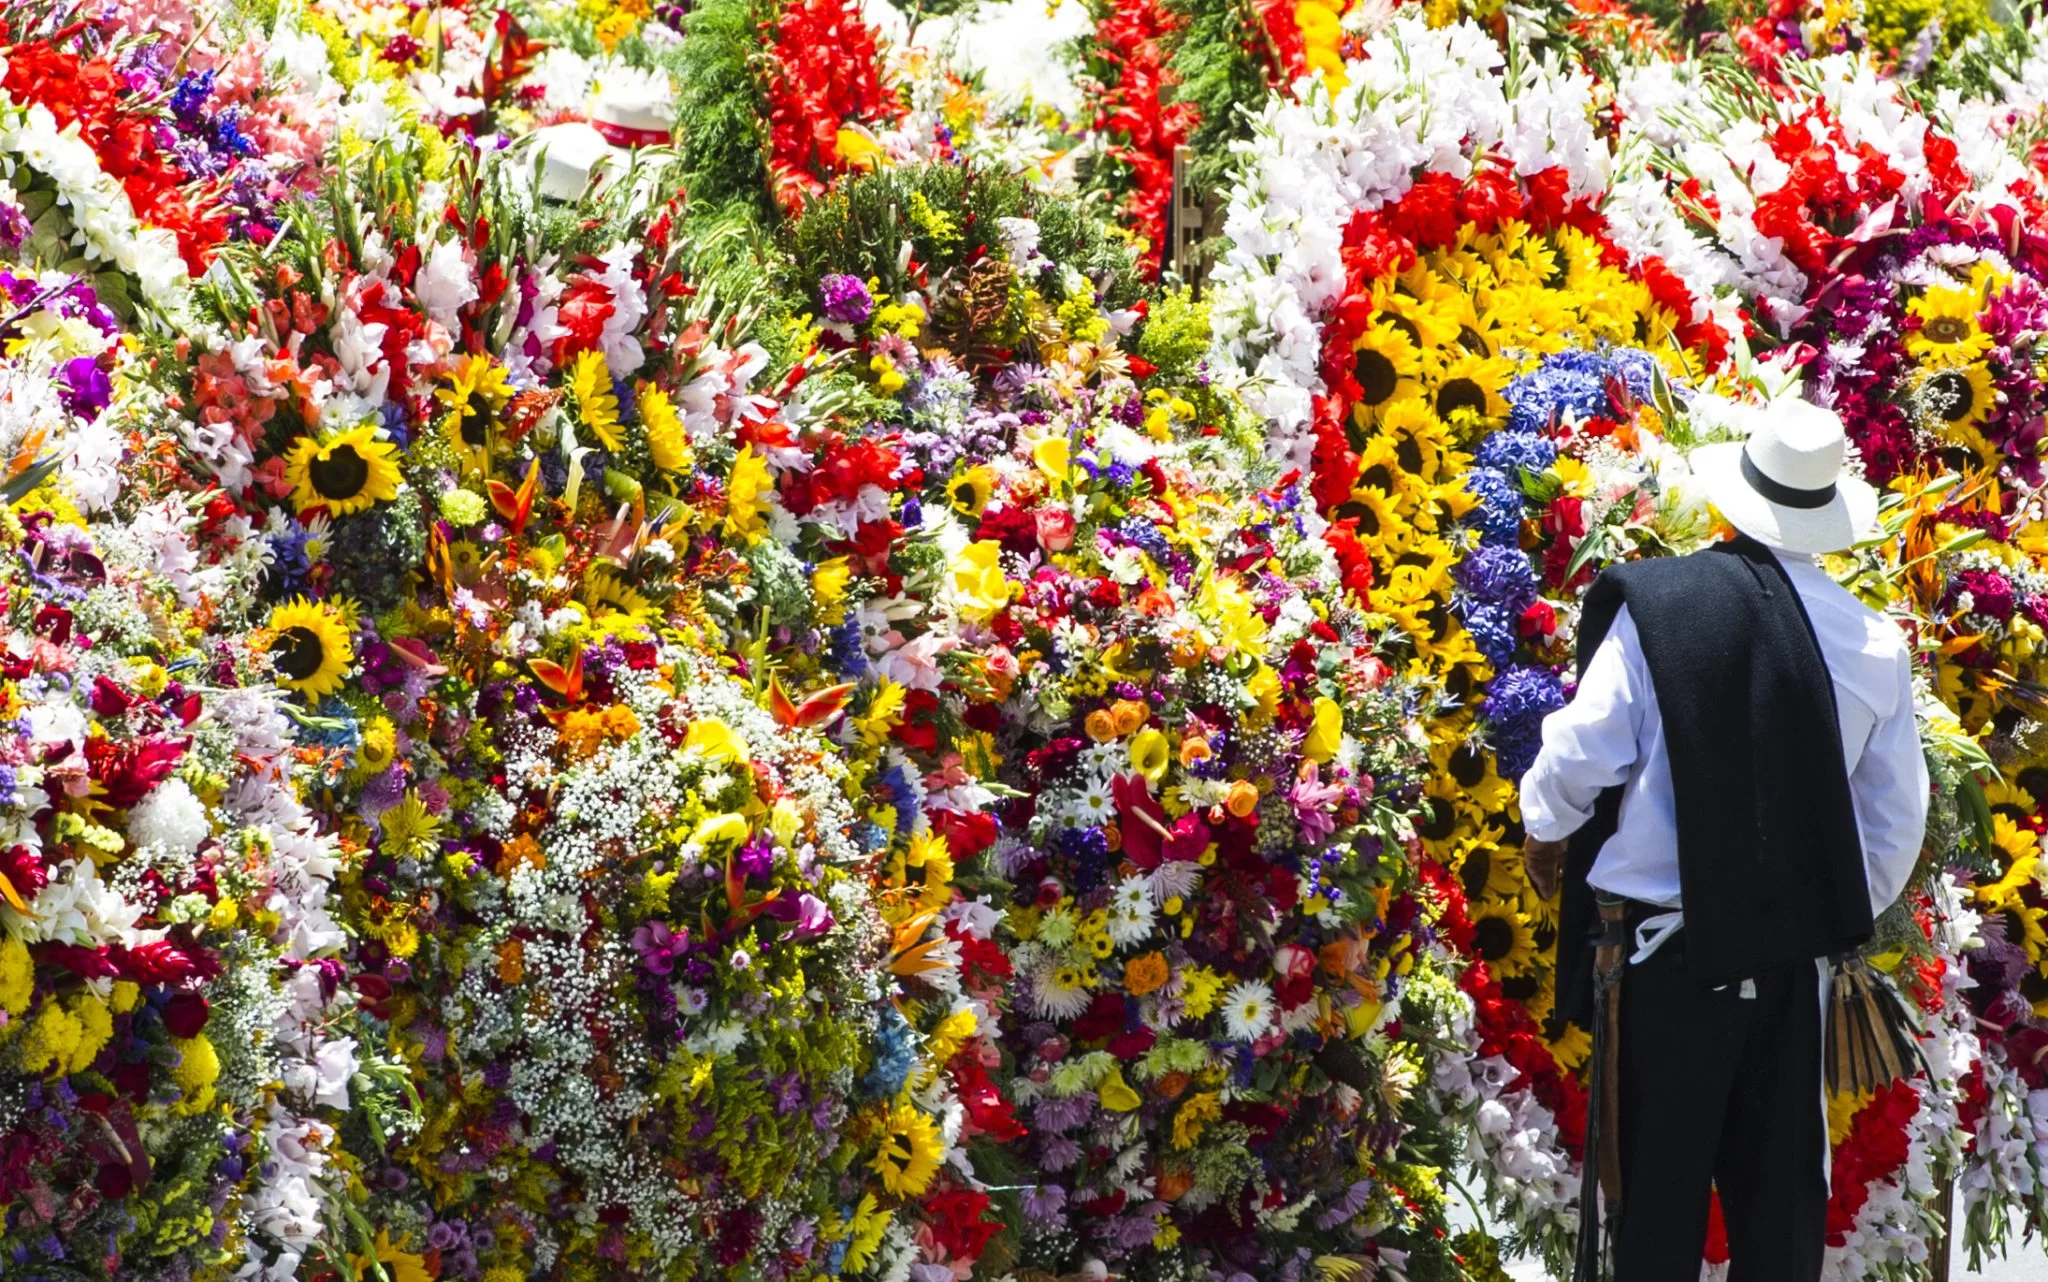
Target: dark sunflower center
{"type": "Point", "coordinates": [1470, 340]}
{"type": "Point", "coordinates": [1458, 682]}
{"type": "Point", "coordinates": [1468, 766]}
{"type": "Point", "coordinates": [1377, 476]}
{"type": "Point", "coordinates": [963, 493]}
{"type": "Point", "coordinates": [1442, 821]}
{"type": "Point", "coordinates": [1408, 452]}
{"type": "Point", "coordinates": [474, 425]}
{"type": "Point", "coordinates": [1375, 374]}
{"type": "Point", "coordinates": [1477, 870]}
{"type": "Point", "coordinates": [1493, 938]}
{"type": "Point", "coordinates": [1415, 559]}
{"type": "Point", "coordinates": [1368, 519]}
{"type": "Point", "coordinates": [2034, 779]}
{"type": "Point", "coordinates": [1460, 394]}
{"type": "Point", "coordinates": [339, 473]}
{"type": "Point", "coordinates": [297, 653]}
{"type": "Point", "coordinates": [1407, 328]}
{"type": "Point", "coordinates": [1952, 396]}
{"type": "Point", "coordinates": [1946, 329]}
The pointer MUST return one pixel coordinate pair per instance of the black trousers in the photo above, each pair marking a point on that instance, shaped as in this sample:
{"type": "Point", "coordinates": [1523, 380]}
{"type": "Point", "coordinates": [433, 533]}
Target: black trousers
{"type": "Point", "coordinates": [1719, 1091]}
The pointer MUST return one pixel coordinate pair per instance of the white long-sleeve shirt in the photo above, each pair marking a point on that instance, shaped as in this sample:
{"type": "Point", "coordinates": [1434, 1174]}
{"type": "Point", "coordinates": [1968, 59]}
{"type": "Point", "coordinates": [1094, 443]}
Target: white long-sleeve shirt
{"type": "Point", "coordinates": [1611, 733]}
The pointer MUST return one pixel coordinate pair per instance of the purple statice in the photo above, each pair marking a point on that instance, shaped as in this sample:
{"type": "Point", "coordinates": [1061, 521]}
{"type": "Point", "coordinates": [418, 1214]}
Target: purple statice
{"type": "Point", "coordinates": [845, 299]}
{"type": "Point", "coordinates": [1516, 702]}
{"type": "Point", "coordinates": [1498, 514]}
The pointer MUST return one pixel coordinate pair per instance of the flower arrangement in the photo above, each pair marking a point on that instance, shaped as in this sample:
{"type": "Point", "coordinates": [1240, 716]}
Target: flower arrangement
{"type": "Point", "coordinates": [793, 712]}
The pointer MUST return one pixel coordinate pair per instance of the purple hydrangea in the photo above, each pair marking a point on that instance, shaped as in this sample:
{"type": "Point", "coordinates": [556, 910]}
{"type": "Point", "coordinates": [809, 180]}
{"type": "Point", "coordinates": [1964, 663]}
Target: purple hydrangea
{"type": "Point", "coordinates": [845, 299]}
{"type": "Point", "coordinates": [1499, 575]}
{"type": "Point", "coordinates": [1515, 705]}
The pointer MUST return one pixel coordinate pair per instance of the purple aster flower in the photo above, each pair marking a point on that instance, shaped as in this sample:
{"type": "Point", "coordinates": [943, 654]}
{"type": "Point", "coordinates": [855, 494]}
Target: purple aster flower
{"type": "Point", "coordinates": [1045, 1204]}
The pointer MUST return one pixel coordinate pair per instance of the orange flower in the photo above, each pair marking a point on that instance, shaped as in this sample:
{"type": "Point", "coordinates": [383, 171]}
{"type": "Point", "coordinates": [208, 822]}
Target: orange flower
{"type": "Point", "coordinates": [1145, 973]}
{"type": "Point", "coordinates": [511, 961]}
{"type": "Point", "coordinates": [1101, 726]}
{"type": "Point", "coordinates": [1241, 798]}
{"type": "Point", "coordinates": [1129, 714]}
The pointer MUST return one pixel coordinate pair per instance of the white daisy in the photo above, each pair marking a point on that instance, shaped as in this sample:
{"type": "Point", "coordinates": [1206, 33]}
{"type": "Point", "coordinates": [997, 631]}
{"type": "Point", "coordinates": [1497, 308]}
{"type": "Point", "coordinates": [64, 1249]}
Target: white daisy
{"type": "Point", "coordinates": [1248, 1010]}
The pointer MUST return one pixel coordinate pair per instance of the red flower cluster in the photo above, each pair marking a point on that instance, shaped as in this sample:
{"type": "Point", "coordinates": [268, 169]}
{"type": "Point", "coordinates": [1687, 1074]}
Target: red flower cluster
{"type": "Point", "coordinates": [90, 94]}
{"type": "Point", "coordinates": [1875, 1147]}
{"type": "Point", "coordinates": [1132, 111]}
{"type": "Point", "coordinates": [1818, 209]}
{"type": "Point", "coordinates": [823, 73]}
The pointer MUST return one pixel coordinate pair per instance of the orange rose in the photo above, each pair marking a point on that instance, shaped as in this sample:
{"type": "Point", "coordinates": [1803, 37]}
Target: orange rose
{"type": "Point", "coordinates": [1101, 726]}
{"type": "Point", "coordinates": [1129, 714]}
{"type": "Point", "coordinates": [1241, 798]}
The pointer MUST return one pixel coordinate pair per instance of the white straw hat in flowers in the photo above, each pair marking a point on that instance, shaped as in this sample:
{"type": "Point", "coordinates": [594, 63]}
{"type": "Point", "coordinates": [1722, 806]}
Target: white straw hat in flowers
{"type": "Point", "coordinates": [1784, 486]}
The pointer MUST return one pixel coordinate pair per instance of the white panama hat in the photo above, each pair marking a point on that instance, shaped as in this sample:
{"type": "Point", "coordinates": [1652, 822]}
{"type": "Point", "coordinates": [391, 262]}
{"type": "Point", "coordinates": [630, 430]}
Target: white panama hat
{"type": "Point", "coordinates": [1784, 486]}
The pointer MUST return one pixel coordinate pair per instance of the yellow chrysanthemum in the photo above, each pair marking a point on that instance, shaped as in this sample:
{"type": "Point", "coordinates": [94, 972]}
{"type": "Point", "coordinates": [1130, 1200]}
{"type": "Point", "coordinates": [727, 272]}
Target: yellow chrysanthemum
{"type": "Point", "coordinates": [344, 474]}
{"type": "Point", "coordinates": [666, 439]}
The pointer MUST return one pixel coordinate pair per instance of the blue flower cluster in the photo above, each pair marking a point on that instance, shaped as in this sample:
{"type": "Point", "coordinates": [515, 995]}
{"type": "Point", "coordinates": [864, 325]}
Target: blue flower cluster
{"type": "Point", "coordinates": [1574, 385]}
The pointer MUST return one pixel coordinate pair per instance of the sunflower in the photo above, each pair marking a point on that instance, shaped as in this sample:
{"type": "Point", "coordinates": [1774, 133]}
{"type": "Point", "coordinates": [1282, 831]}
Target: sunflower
{"type": "Point", "coordinates": [2010, 798]}
{"type": "Point", "coordinates": [475, 395]}
{"type": "Point", "coordinates": [1469, 389]}
{"type": "Point", "coordinates": [1388, 369]}
{"type": "Point", "coordinates": [346, 474]}
{"type": "Point", "coordinates": [910, 1151]}
{"type": "Point", "coordinates": [1415, 310]}
{"type": "Point", "coordinates": [1501, 939]}
{"type": "Point", "coordinates": [607, 591]}
{"type": "Point", "coordinates": [1571, 1047]}
{"type": "Point", "coordinates": [970, 490]}
{"type": "Point", "coordinates": [1423, 570]}
{"type": "Point", "coordinates": [1379, 468]}
{"type": "Point", "coordinates": [1450, 819]}
{"type": "Point", "coordinates": [309, 646]}
{"type": "Point", "coordinates": [1380, 523]}
{"type": "Point", "coordinates": [1422, 443]}
{"type": "Point", "coordinates": [1485, 867]}
{"type": "Point", "coordinates": [1540, 912]}
{"type": "Point", "coordinates": [1474, 770]}
{"type": "Point", "coordinates": [1947, 334]}
{"type": "Point", "coordinates": [1956, 399]}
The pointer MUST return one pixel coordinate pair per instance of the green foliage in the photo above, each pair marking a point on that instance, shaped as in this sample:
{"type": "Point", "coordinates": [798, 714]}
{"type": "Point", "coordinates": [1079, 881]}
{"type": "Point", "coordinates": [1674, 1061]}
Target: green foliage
{"type": "Point", "coordinates": [1177, 335]}
{"type": "Point", "coordinates": [1219, 67]}
{"type": "Point", "coordinates": [725, 139]}
{"type": "Point", "coordinates": [948, 214]}
{"type": "Point", "coordinates": [1895, 27]}
{"type": "Point", "coordinates": [1084, 233]}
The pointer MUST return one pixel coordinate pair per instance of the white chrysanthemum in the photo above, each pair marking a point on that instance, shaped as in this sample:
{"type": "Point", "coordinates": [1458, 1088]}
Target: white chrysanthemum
{"type": "Point", "coordinates": [1248, 1010]}
{"type": "Point", "coordinates": [171, 817]}
{"type": "Point", "coordinates": [1057, 993]}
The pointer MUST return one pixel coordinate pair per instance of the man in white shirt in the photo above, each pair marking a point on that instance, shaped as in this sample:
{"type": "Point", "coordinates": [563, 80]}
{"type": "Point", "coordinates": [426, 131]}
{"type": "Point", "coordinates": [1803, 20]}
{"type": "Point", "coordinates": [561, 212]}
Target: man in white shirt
{"type": "Point", "coordinates": [1740, 775]}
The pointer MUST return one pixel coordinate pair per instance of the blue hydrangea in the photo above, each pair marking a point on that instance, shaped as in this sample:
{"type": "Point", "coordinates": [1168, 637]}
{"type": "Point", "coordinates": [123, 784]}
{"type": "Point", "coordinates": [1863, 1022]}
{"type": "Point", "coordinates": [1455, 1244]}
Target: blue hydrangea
{"type": "Point", "coordinates": [1499, 575]}
{"type": "Point", "coordinates": [1498, 515]}
{"type": "Point", "coordinates": [1512, 449]}
{"type": "Point", "coordinates": [1574, 385]}
{"type": "Point", "coordinates": [1516, 702]}
{"type": "Point", "coordinates": [1493, 629]}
